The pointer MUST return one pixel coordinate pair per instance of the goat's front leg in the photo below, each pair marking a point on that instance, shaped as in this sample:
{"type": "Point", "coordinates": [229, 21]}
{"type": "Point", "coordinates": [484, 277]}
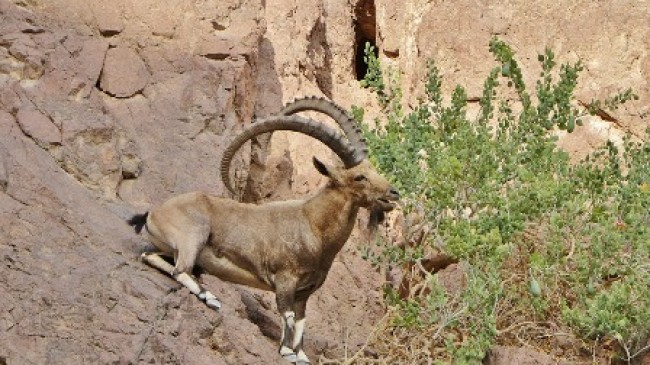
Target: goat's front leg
{"type": "Point", "coordinates": [299, 331]}
{"type": "Point", "coordinates": [285, 291]}
{"type": "Point", "coordinates": [156, 261]}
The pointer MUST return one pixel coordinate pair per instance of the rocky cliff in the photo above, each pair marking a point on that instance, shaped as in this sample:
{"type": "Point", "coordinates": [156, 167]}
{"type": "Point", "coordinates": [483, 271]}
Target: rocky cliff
{"type": "Point", "coordinates": [106, 110]}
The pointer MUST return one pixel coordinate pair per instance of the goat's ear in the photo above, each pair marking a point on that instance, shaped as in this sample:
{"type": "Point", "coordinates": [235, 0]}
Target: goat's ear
{"type": "Point", "coordinates": [322, 168]}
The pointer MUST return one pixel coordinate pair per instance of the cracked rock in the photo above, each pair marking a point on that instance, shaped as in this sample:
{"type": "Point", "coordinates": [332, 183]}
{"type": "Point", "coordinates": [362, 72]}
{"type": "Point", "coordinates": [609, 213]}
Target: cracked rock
{"type": "Point", "coordinates": [124, 73]}
{"type": "Point", "coordinates": [109, 20]}
{"type": "Point", "coordinates": [38, 126]}
{"type": "Point", "coordinates": [4, 177]}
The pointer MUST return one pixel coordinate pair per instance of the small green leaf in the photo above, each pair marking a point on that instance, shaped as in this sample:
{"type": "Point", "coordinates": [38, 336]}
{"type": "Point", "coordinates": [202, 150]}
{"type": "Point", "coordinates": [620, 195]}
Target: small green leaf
{"type": "Point", "coordinates": [591, 289]}
{"type": "Point", "coordinates": [534, 288]}
{"type": "Point", "coordinates": [571, 125]}
{"type": "Point", "coordinates": [505, 70]}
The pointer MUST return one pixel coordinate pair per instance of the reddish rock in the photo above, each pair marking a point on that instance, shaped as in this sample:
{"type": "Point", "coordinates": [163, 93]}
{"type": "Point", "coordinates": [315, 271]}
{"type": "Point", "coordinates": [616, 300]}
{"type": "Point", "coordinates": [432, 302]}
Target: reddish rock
{"type": "Point", "coordinates": [71, 287]}
{"type": "Point", "coordinates": [220, 48]}
{"type": "Point", "coordinates": [508, 355]}
{"type": "Point", "coordinates": [38, 126]}
{"type": "Point", "coordinates": [644, 358]}
{"type": "Point", "coordinates": [109, 20]}
{"type": "Point", "coordinates": [26, 55]}
{"type": "Point", "coordinates": [453, 278]}
{"type": "Point", "coordinates": [90, 62]}
{"type": "Point", "coordinates": [124, 73]}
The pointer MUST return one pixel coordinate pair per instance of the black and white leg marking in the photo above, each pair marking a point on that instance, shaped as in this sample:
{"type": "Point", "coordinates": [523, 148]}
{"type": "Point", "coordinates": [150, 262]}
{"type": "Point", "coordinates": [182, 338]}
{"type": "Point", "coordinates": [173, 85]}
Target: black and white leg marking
{"type": "Point", "coordinates": [156, 261]}
{"type": "Point", "coordinates": [301, 357]}
{"type": "Point", "coordinates": [209, 299]}
{"type": "Point", "coordinates": [299, 332]}
{"type": "Point", "coordinates": [291, 342]}
{"type": "Point", "coordinates": [288, 324]}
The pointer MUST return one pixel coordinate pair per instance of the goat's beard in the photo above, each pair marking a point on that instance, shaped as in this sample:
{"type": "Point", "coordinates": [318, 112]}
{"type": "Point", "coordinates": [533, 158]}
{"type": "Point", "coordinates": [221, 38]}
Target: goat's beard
{"type": "Point", "coordinates": [377, 217]}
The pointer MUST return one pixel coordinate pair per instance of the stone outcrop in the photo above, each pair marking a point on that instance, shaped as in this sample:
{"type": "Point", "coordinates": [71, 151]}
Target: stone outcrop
{"type": "Point", "coordinates": [74, 162]}
{"type": "Point", "coordinates": [101, 117]}
{"type": "Point", "coordinates": [124, 73]}
{"type": "Point", "coordinates": [612, 40]}
{"type": "Point", "coordinates": [38, 127]}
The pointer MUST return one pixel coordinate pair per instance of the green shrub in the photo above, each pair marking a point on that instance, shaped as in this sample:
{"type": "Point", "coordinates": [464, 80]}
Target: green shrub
{"type": "Point", "coordinates": [542, 240]}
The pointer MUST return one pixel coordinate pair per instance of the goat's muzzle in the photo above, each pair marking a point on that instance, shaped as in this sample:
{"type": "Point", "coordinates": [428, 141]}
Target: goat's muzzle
{"type": "Point", "coordinates": [387, 202]}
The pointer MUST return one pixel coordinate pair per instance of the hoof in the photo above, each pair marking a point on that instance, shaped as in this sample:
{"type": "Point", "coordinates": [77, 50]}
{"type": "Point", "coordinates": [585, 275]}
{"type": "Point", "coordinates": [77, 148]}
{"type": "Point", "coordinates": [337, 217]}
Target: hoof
{"type": "Point", "coordinates": [302, 359]}
{"type": "Point", "coordinates": [213, 303]}
{"type": "Point", "coordinates": [292, 358]}
{"type": "Point", "coordinates": [209, 299]}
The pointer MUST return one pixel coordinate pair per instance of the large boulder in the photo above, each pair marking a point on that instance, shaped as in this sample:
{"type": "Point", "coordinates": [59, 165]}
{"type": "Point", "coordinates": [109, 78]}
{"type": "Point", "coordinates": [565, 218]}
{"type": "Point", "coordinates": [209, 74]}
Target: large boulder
{"type": "Point", "coordinates": [124, 73]}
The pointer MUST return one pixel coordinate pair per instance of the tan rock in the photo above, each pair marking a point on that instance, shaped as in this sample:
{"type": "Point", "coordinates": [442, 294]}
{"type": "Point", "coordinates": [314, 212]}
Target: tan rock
{"type": "Point", "coordinates": [508, 355]}
{"type": "Point", "coordinates": [90, 63]}
{"type": "Point", "coordinates": [124, 73]}
{"type": "Point", "coordinates": [645, 358]}
{"type": "Point", "coordinates": [38, 126]}
{"type": "Point", "coordinates": [109, 19]}
{"type": "Point", "coordinates": [391, 32]}
{"type": "Point", "coordinates": [219, 48]}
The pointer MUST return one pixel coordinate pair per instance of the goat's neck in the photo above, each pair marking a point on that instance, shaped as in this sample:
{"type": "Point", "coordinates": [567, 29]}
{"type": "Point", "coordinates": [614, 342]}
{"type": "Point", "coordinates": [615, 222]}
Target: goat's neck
{"type": "Point", "coordinates": [332, 215]}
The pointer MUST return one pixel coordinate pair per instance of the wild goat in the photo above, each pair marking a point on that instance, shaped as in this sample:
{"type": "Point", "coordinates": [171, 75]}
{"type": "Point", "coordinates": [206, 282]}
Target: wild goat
{"type": "Point", "coordinates": [287, 247]}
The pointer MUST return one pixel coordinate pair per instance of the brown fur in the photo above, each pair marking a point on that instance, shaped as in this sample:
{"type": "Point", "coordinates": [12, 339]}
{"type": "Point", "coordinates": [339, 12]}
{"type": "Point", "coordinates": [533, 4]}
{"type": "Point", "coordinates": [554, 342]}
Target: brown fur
{"type": "Point", "coordinates": [287, 247]}
{"type": "Point", "coordinates": [259, 241]}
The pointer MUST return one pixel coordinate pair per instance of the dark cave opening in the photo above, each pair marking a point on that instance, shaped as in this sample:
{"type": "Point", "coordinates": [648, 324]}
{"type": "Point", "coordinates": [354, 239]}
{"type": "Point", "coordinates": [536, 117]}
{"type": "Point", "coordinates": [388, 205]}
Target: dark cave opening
{"type": "Point", "coordinates": [365, 30]}
{"type": "Point", "coordinates": [360, 66]}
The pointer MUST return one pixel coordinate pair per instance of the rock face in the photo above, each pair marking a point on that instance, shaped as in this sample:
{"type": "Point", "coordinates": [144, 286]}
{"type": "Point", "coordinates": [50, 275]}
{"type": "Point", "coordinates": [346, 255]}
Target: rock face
{"type": "Point", "coordinates": [74, 162]}
{"type": "Point", "coordinates": [102, 117]}
{"type": "Point", "coordinates": [38, 127]}
{"type": "Point", "coordinates": [106, 110]}
{"type": "Point", "coordinates": [124, 73]}
{"type": "Point", "coordinates": [611, 38]}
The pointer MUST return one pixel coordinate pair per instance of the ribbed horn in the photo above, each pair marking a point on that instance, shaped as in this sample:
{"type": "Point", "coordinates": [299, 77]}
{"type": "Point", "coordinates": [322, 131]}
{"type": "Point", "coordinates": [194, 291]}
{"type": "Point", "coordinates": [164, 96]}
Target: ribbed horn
{"type": "Point", "coordinates": [340, 116]}
{"type": "Point", "coordinates": [329, 136]}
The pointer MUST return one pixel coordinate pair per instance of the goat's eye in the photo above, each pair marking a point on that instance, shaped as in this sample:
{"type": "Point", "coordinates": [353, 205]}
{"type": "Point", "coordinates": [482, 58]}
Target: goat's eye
{"type": "Point", "coordinates": [359, 178]}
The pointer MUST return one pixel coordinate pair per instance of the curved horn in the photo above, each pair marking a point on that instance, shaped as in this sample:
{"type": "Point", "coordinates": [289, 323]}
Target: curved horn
{"type": "Point", "coordinates": [333, 139]}
{"type": "Point", "coordinates": [327, 107]}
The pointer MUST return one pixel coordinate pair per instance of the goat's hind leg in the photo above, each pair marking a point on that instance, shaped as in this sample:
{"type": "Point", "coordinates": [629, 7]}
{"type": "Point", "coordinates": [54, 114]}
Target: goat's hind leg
{"type": "Point", "coordinates": [155, 260]}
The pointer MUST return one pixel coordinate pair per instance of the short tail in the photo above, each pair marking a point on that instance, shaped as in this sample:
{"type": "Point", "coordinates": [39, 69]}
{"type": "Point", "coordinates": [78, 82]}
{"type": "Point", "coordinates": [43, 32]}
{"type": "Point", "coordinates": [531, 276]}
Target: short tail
{"type": "Point", "coordinates": [138, 221]}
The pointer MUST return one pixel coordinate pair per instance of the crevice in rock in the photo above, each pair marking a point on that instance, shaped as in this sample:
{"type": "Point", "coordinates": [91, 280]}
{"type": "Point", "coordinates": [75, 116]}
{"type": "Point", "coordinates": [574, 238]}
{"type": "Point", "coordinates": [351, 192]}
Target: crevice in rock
{"type": "Point", "coordinates": [152, 328]}
{"type": "Point", "coordinates": [4, 175]}
{"type": "Point", "coordinates": [365, 31]}
{"type": "Point", "coordinates": [391, 54]}
{"type": "Point", "coordinates": [217, 56]}
{"type": "Point", "coordinates": [97, 82]}
{"type": "Point", "coordinates": [320, 54]}
{"type": "Point", "coordinates": [17, 200]}
{"type": "Point", "coordinates": [255, 313]}
{"type": "Point", "coordinates": [109, 33]}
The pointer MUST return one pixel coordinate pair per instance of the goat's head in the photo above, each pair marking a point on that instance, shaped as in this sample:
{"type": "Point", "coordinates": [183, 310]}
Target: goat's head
{"type": "Point", "coordinates": [357, 178]}
{"type": "Point", "coordinates": [362, 184]}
